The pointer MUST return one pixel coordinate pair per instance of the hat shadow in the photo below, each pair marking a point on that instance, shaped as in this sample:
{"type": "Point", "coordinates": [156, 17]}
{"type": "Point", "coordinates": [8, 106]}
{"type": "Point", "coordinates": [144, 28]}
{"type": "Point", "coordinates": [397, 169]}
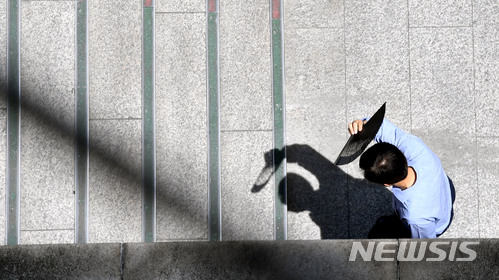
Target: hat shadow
{"type": "Point", "coordinates": [342, 206]}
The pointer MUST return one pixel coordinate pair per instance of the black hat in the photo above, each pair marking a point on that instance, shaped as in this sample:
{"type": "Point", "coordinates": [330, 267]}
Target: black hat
{"type": "Point", "coordinates": [357, 143]}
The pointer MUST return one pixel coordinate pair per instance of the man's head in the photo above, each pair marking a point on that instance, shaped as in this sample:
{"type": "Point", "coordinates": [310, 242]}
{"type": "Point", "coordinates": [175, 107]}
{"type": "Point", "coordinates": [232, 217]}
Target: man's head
{"type": "Point", "coordinates": [384, 163]}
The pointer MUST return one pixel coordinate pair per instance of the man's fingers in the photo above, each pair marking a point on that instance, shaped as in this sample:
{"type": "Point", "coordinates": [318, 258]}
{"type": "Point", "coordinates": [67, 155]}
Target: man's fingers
{"type": "Point", "coordinates": [355, 126]}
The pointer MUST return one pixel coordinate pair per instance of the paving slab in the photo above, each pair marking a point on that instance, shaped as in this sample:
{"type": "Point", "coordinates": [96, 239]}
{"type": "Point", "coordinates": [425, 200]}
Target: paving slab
{"type": "Point", "coordinates": [114, 54]}
{"type": "Point", "coordinates": [377, 62]}
{"type": "Point", "coordinates": [245, 65]}
{"type": "Point", "coordinates": [3, 167]}
{"type": "Point", "coordinates": [245, 215]}
{"type": "Point", "coordinates": [181, 126]}
{"type": "Point", "coordinates": [47, 86]}
{"type": "Point", "coordinates": [440, 13]}
{"type": "Point", "coordinates": [3, 54]}
{"type": "Point", "coordinates": [488, 180]}
{"type": "Point", "coordinates": [486, 55]}
{"type": "Point", "coordinates": [316, 14]}
{"type": "Point", "coordinates": [89, 261]}
{"type": "Point", "coordinates": [115, 181]}
{"type": "Point", "coordinates": [442, 80]}
{"type": "Point", "coordinates": [184, 6]}
{"type": "Point", "coordinates": [315, 89]}
{"type": "Point", "coordinates": [47, 236]}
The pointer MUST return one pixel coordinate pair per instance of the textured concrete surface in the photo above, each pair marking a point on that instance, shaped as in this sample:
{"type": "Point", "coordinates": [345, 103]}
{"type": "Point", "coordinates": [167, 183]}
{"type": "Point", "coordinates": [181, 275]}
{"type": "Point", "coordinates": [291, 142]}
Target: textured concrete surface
{"type": "Point", "coordinates": [440, 13]}
{"type": "Point", "coordinates": [376, 55]}
{"type": "Point", "coordinates": [251, 260]}
{"type": "Point", "coordinates": [181, 111]}
{"type": "Point", "coordinates": [315, 88]}
{"type": "Point", "coordinates": [314, 63]}
{"type": "Point", "coordinates": [95, 261]}
{"type": "Point", "coordinates": [48, 236]}
{"type": "Point", "coordinates": [318, 259]}
{"type": "Point", "coordinates": [245, 66]}
{"type": "Point", "coordinates": [114, 35]}
{"type": "Point", "coordinates": [486, 34]}
{"type": "Point", "coordinates": [3, 115]}
{"type": "Point", "coordinates": [115, 181]}
{"type": "Point", "coordinates": [488, 173]}
{"type": "Point", "coordinates": [442, 66]}
{"type": "Point", "coordinates": [167, 6]}
{"type": "Point", "coordinates": [322, 14]}
{"type": "Point", "coordinates": [3, 187]}
{"type": "Point", "coordinates": [436, 69]}
{"type": "Point", "coordinates": [435, 63]}
{"type": "Point", "coordinates": [3, 52]}
{"type": "Point", "coordinates": [114, 53]}
{"type": "Point", "coordinates": [456, 263]}
{"type": "Point", "coordinates": [47, 82]}
{"type": "Point", "coordinates": [245, 215]}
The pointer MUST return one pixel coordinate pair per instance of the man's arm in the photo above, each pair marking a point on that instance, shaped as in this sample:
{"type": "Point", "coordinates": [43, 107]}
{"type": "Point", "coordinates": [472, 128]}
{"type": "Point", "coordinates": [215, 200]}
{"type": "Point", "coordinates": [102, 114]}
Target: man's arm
{"type": "Point", "coordinates": [409, 144]}
{"type": "Point", "coordinates": [388, 132]}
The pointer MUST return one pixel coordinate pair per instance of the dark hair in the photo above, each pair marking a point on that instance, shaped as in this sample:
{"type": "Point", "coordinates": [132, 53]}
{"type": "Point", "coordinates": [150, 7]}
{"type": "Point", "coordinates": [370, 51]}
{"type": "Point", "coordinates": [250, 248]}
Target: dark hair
{"type": "Point", "coordinates": [383, 163]}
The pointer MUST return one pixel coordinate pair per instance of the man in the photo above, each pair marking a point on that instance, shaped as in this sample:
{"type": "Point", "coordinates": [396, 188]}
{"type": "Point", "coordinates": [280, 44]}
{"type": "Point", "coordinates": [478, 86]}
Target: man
{"type": "Point", "coordinates": [422, 195]}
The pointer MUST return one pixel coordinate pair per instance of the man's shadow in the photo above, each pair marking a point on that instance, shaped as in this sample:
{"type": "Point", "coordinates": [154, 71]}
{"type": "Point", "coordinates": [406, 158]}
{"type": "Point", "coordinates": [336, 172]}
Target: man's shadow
{"type": "Point", "coordinates": [342, 206]}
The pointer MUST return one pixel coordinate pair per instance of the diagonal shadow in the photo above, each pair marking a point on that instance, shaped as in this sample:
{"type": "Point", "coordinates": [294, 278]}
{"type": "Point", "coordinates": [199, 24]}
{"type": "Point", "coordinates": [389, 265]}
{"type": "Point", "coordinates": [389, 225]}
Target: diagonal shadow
{"type": "Point", "coordinates": [118, 164]}
{"type": "Point", "coordinates": [342, 206]}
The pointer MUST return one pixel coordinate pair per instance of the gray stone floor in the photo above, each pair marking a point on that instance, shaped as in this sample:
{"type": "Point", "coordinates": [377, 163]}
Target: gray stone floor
{"type": "Point", "coordinates": [435, 63]}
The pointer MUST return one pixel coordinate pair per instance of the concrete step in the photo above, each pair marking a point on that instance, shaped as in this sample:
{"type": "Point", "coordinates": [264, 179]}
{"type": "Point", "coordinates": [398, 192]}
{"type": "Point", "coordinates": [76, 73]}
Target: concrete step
{"type": "Point", "coordinates": [327, 259]}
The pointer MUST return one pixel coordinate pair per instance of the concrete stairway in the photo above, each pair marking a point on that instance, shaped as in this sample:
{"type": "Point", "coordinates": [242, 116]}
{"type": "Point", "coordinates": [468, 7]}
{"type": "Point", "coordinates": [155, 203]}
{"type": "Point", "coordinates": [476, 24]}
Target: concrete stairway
{"type": "Point", "coordinates": [157, 120]}
{"type": "Point", "coordinates": [117, 141]}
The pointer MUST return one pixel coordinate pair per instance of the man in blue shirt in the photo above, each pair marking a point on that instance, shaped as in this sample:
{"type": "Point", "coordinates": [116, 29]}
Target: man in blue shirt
{"type": "Point", "coordinates": [422, 196]}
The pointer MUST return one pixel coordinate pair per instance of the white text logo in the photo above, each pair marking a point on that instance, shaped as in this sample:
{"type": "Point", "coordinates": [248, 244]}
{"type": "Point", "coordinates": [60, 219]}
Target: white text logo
{"type": "Point", "coordinates": [408, 251]}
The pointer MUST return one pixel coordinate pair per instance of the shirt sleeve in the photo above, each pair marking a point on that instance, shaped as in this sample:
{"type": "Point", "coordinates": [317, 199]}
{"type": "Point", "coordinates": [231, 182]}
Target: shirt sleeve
{"type": "Point", "coordinates": [409, 144]}
{"type": "Point", "coordinates": [389, 133]}
{"type": "Point", "coordinates": [423, 230]}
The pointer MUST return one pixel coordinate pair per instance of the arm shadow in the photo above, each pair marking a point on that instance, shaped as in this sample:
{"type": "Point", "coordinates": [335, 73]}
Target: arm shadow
{"type": "Point", "coordinates": [342, 207]}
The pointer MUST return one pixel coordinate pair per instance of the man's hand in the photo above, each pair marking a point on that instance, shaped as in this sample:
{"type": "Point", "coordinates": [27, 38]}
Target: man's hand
{"type": "Point", "coordinates": [356, 126]}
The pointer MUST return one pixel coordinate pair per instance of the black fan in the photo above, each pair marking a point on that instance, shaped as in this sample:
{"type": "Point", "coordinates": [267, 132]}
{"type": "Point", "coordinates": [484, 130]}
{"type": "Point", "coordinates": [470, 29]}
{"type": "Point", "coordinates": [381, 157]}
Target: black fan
{"type": "Point", "coordinates": [357, 143]}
